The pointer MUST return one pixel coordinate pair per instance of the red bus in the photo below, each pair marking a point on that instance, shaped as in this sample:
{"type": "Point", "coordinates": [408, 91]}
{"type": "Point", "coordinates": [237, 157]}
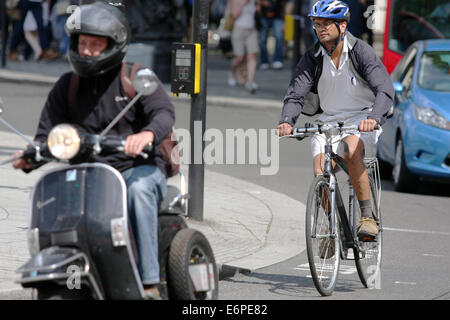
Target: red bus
{"type": "Point", "coordinates": [410, 20]}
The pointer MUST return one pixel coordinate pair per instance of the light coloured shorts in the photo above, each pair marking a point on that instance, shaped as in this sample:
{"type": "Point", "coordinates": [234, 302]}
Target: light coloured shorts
{"type": "Point", "coordinates": [369, 139]}
{"type": "Point", "coordinates": [244, 41]}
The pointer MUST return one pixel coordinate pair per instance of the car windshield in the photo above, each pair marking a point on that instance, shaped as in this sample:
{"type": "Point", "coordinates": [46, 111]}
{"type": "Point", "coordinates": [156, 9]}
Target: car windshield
{"type": "Point", "coordinates": [434, 71]}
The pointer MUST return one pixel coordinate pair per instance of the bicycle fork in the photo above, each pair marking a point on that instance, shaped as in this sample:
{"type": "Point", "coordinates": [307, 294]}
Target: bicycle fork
{"type": "Point", "coordinates": [320, 197]}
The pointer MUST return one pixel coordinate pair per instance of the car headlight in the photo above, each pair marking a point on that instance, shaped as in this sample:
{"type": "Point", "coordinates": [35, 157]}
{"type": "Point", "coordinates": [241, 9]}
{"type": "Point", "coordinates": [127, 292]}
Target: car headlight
{"type": "Point", "coordinates": [431, 117]}
{"type": "Point", "coordinates": [64, 142]}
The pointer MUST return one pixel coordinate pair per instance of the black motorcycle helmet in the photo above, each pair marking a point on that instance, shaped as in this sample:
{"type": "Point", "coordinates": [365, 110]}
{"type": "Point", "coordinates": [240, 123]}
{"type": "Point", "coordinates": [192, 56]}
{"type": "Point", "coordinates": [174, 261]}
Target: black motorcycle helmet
{"type": "Point", "coordinates": [98, 19]}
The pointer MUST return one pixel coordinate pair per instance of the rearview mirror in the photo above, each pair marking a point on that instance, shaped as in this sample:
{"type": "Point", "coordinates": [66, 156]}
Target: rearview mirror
{"type": "Point", "coordinates": [145, 82]}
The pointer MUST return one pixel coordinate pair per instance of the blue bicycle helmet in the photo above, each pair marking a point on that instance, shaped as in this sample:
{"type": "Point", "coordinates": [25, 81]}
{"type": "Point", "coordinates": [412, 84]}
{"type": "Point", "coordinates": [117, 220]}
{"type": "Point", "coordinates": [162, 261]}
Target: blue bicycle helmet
{"type": "Point", "coordinates": [330, 9]}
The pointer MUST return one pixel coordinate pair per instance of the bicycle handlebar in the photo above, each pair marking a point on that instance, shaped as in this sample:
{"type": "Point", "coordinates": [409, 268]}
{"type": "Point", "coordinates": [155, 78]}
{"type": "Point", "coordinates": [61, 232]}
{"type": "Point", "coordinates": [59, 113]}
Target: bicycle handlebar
{"type": "Point", "coordinates": [309, 129]}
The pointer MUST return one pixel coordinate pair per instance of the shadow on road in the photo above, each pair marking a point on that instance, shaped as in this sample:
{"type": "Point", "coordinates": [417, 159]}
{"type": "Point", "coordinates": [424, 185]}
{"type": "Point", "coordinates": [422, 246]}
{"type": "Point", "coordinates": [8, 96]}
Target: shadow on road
{"type": "Point", "coordinates": [426, 188]}
{"type": "Point", "coordinates": [288, 286]}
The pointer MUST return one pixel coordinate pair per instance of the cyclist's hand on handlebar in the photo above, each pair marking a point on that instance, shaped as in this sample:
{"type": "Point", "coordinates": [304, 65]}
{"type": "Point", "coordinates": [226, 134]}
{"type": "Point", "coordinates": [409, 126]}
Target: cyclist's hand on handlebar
{"type": "Point", "coordinates": [21, 163]}
{"type": "Point", "coordinates": [135, 143]}
{"type": "Point", "coordinates": [367, 125]}
{"type": "Point", "coordinates": [284, 129]}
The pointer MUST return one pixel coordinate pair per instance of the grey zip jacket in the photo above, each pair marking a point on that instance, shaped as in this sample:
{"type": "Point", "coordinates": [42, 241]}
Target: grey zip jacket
{"type": "Point", "coordinates": [367, 65]}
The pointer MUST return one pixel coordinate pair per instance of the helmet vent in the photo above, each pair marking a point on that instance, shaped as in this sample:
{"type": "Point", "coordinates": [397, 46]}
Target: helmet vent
{"type": "Point", "coordinates": [336, 11]}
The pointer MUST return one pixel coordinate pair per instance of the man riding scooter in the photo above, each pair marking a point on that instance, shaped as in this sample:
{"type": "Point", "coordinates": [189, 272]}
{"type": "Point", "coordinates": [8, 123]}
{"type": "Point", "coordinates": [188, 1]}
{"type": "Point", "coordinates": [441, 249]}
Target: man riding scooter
{"type": "Point", "coordinates": [98, 43]}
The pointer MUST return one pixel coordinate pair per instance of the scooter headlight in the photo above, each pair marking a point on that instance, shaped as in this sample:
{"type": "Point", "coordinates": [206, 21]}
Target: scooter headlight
{"type": "Point", "coordinates": [64, 142]}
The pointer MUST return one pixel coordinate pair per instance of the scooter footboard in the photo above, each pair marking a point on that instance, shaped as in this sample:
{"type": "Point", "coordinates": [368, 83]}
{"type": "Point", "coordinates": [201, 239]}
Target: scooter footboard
{"type": "Point", "coordinates": [64, 266]}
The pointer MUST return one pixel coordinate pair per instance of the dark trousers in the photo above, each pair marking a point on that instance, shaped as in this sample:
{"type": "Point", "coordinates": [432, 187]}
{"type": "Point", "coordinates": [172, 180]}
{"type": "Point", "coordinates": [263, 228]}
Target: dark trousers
{"type": "Point", "coordinates": [18, 34]}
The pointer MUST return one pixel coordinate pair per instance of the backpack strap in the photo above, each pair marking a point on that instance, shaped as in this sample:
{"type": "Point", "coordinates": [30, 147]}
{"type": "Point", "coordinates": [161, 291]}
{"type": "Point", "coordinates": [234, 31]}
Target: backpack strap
{"type": "Point", "coordinates": [127, 73]}
{"type": "Point", "coordinates": [73, 90]}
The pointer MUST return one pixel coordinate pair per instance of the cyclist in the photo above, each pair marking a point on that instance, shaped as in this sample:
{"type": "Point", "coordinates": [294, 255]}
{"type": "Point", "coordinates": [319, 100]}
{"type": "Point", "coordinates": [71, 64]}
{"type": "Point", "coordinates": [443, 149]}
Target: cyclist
{"type": "Point", "coordinates": [352, 86]}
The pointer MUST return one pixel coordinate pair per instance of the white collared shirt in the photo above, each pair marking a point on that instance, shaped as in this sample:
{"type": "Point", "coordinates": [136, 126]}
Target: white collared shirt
{"type": "Point", "coordinates": [341, 95]}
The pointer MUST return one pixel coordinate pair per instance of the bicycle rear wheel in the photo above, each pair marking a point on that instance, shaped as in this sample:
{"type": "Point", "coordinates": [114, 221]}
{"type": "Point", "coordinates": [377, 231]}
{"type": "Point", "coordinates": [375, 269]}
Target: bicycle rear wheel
{"type": "Point", "coordinates": [323, 248]}
{"type": "Point", "coordinates": [368, 254]}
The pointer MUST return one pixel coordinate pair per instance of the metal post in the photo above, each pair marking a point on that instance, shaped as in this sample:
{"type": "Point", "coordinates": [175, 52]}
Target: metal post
{"type": "Point", "coordinates": [297, 34]}
{"type": "Point", "coordinates": [200, 14]}
{"type": "Point", "coordinates": [4, 27]}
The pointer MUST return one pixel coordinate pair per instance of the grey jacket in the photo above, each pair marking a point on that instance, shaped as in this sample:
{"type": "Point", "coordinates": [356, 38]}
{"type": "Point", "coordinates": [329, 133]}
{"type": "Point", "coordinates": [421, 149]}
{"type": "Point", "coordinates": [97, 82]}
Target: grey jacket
{"type": "Point", "coordinates": [367, 65]}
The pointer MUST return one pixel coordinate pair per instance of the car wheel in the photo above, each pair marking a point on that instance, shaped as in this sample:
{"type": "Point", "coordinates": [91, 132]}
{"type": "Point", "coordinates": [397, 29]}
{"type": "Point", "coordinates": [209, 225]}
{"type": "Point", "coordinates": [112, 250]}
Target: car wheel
{"type": "Point", "coordinates": [404, 181]}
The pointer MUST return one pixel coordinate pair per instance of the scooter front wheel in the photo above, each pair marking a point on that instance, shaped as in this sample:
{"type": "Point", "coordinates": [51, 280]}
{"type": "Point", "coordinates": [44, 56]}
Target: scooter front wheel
{"type": "Point", "coordinates": [192, 272]}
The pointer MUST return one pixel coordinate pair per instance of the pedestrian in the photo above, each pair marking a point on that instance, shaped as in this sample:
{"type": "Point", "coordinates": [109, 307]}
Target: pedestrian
{"type": "Point", "coordinates": [35, 7]}
{"type": "Point", "coordinates": [58, 17]}
{"type": "Point", "coordinates": [272, 18]}
{"type": "Point", "coordinates": [244, 39]}
{"type": "Point", "coordinates": [30, 29]}
{"type": "Point", "coordinates": [225, 35]}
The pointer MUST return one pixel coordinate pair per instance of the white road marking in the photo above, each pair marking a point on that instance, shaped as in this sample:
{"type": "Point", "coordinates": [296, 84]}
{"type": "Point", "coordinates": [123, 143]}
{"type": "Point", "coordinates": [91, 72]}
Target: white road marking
{"type": "Point", "coordinates": [407, 283]}
{"type": "Point", "coordinates": [416, 231]}
{"type": "Point", "coordinates": [343, 269]}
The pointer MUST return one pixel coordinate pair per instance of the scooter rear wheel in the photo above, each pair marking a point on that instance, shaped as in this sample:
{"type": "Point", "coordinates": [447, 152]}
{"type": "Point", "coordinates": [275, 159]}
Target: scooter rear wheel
{"type": "Point", "coordinates": [190, 247]}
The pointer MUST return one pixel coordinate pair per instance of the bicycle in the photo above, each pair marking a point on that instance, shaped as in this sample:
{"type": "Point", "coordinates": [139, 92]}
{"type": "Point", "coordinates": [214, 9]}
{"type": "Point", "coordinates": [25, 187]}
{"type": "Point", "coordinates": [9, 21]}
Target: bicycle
{"type": "Point", "coordinates": [331, 233]}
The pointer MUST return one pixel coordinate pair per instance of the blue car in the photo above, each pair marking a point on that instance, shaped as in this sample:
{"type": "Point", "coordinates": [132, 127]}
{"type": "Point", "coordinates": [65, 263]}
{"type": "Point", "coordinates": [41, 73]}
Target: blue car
{"type": "Point", "coordinates": [415, 143]}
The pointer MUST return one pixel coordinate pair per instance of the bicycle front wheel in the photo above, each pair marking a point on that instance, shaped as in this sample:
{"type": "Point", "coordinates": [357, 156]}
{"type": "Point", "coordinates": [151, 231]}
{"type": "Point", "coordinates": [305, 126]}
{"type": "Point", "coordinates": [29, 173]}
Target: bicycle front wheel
{"type": "Point", "coordinates": [368, 254]}
{"type": "Point", "coordinates": [323, 247]}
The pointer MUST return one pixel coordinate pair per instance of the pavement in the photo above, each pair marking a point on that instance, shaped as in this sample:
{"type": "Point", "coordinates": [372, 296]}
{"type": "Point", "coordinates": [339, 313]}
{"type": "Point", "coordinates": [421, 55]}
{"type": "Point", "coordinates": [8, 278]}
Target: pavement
{"type": "Point", "coordinates": [248, 226]}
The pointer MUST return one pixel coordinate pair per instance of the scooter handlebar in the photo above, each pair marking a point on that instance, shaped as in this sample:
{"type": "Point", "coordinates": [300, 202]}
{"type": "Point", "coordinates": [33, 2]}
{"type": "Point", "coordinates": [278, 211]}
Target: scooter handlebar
{"type": "Point", "coordinates": [118, 143]}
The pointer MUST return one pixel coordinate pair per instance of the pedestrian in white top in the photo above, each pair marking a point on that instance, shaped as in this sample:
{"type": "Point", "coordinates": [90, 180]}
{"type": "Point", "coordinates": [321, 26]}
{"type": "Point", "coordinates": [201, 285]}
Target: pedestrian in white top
{"type": "Point", "coordinates": [244, 39]}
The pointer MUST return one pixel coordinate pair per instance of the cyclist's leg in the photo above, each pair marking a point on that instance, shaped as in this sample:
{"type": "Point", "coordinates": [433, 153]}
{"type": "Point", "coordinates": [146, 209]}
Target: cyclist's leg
{"type": "Point", "coordinates": [354, 156]}
{"type": "Point", "coordinates": [318, 164]}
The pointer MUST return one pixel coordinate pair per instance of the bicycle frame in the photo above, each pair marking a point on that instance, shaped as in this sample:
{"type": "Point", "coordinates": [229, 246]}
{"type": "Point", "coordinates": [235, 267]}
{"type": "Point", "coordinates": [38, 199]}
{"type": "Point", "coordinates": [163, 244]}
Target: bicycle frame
{"type": "Point", "coordinates": [338, 235]}
{"type": "Point", "coordinates": [349, 241]}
